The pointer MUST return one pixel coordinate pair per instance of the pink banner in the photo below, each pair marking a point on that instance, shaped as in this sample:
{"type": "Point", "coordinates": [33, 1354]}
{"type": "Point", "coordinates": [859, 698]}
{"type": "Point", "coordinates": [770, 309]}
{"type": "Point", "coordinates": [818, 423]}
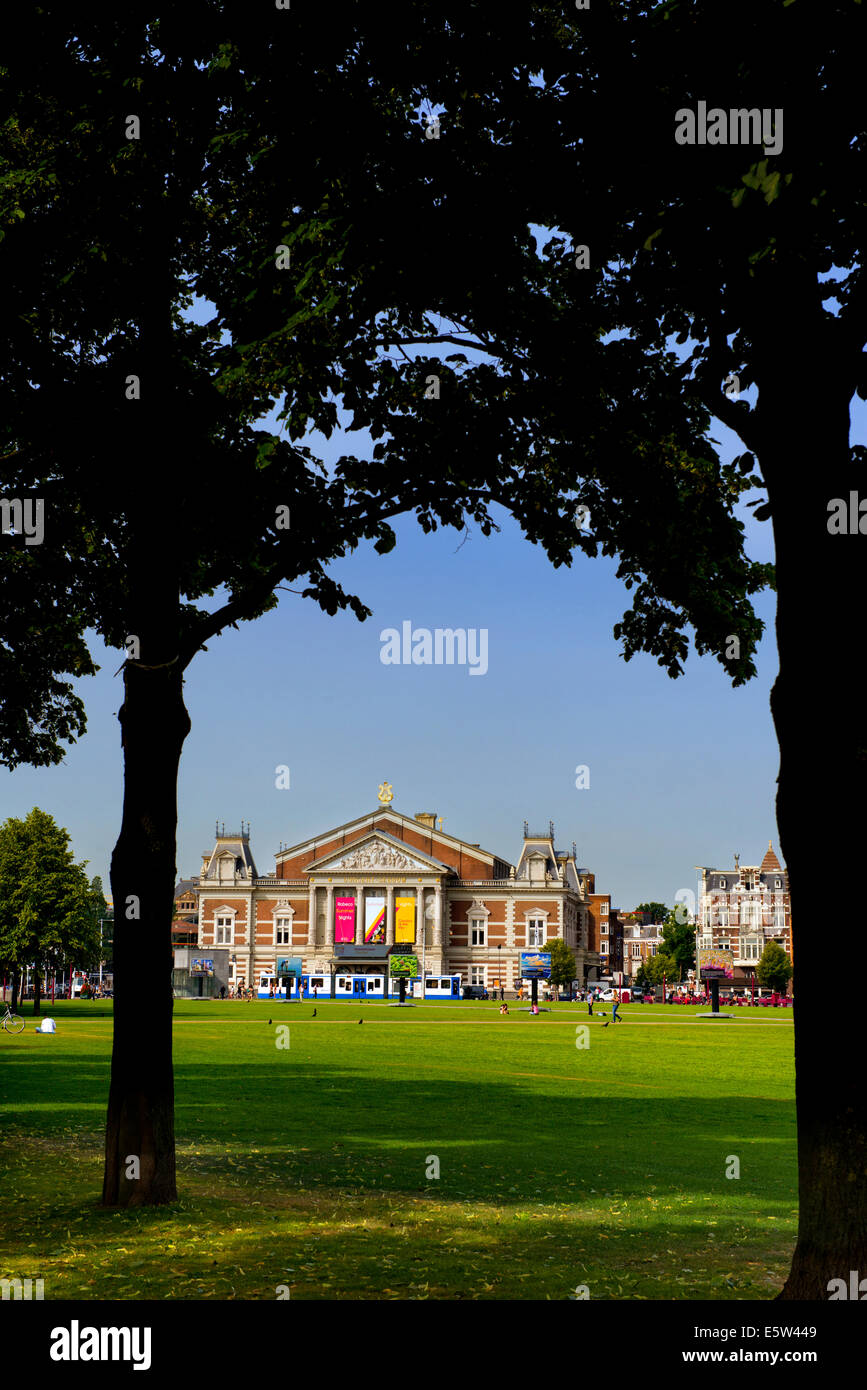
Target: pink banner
{"type": "Point", "coordinates": [344, 922]}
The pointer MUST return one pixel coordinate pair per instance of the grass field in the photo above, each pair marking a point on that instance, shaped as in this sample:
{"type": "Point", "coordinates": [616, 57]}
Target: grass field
{"type": "Point", "coordinates": [305, 1166]}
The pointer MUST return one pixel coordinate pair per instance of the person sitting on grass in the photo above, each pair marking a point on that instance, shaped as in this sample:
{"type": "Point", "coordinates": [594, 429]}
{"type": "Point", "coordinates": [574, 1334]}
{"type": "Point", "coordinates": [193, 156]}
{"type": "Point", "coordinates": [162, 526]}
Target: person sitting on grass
{"type": "Point", "coordinates": [504, 1008]}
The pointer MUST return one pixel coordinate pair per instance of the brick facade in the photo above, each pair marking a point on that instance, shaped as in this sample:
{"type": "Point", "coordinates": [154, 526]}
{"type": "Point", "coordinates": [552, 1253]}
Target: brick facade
{"type": "Point", "coordinates": [474, 912]}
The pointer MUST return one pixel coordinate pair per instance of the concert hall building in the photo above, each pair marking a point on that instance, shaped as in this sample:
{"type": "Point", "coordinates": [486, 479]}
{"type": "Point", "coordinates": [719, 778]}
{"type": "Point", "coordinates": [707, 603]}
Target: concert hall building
{"type": "Point", "coordinates": [343, 899]}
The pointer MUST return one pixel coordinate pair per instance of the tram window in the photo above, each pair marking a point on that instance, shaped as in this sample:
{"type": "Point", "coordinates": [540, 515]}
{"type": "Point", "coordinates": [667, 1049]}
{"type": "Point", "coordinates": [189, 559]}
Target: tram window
{"type": "Point", "coordinates": [317, 984]}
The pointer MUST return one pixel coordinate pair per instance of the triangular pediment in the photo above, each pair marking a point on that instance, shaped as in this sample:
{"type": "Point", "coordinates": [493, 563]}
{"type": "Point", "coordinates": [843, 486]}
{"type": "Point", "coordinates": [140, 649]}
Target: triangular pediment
{"type": "Point", "coordinates": [374, 852]}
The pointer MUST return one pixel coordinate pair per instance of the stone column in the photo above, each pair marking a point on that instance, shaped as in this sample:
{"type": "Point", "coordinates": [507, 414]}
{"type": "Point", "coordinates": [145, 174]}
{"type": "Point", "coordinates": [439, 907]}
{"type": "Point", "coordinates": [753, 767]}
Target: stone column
{"type": "Point", "coordinates": [438, 915]}
{"type": "Point", "coordinates": [389, 914]}
{"type": "Point", "coordinates": [311, 915]}
{"type": "Point", "coordinates": [329, 916]}
{"type": "Point", "coordinates": [420, 924]}
{"type": "Point", "coordinates": [359, 914]}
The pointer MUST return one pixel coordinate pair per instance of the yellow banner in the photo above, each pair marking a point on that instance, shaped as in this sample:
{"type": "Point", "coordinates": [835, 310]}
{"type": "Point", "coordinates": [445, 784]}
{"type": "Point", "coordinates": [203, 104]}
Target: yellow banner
{"type": "Point", "coordinates": [404, 919]}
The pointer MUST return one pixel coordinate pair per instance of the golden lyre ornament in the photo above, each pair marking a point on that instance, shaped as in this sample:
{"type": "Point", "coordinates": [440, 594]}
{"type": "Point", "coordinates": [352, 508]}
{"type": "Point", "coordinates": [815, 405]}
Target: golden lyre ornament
{"type": "Point", "coordinates": [386, 795]}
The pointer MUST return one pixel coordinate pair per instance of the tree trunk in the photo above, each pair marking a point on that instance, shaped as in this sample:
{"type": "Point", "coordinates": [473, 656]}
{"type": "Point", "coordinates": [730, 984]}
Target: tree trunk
{"type": "Point", "coordinates": [139, 1141]}
{"type": "Point", "coordinates": [821, 791]}
{"type": "Point", "coordinates": [37, 992]}
{"type": "Point", "coordinates": [16, 985]}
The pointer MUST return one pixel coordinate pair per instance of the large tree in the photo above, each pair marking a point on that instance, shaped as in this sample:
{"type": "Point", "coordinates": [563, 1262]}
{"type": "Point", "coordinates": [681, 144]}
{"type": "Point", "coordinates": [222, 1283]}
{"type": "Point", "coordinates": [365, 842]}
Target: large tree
{"type": "Point", "coordinates": [754, 261]}
{"type": "Point", "coordinates": [279, 176]}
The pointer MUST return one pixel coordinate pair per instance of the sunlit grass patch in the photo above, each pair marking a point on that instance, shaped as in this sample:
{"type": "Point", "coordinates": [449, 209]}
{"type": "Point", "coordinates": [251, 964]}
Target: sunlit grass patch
{"type": "Point", "coordinates": [307, 1167]}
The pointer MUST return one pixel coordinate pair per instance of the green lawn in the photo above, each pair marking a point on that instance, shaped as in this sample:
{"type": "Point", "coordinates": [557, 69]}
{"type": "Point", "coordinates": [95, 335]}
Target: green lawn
{"type": "Point", "coordinates": [306, 1166]}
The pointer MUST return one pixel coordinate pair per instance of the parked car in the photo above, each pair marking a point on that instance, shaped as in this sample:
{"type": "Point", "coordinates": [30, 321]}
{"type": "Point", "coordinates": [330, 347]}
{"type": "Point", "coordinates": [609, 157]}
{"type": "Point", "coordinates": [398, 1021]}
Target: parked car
{"type": "Point", "coordinates": [609, 995]}
{"type": "Point", "coordinates": [474, 992]}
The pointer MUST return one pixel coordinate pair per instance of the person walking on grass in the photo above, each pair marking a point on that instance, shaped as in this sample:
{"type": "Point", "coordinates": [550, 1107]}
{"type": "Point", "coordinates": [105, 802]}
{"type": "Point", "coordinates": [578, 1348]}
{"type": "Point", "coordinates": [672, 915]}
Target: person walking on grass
{"type": "Point", "coordinates": [590, 1005]}
{"type": "Point", "coordinates": [615, 1007]}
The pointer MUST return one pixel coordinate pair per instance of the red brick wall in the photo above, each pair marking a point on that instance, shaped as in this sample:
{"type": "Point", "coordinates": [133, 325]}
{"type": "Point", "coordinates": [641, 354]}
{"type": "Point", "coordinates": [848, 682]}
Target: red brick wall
{"type": "Point", "coordinates": [265, 912]}
{"type": "Point", "coordinates": [208, 912]}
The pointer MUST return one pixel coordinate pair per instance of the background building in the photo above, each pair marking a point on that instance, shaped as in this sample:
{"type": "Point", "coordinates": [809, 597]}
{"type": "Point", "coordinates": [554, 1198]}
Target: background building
{"type": "Point", "coordinates": [742, 908]}
{"type": "Point", "coordinates": [343, 899]}
{"type": "Point", "coordinates": [641, 940]}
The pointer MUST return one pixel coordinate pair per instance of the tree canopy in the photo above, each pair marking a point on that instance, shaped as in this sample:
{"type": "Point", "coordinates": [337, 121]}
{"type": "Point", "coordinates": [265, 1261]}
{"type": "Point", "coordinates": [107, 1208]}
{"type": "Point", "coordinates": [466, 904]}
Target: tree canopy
{"type": "Point", "coordinates": [774, 969]}
{"type": "Point", "coordinates": [49, 911]}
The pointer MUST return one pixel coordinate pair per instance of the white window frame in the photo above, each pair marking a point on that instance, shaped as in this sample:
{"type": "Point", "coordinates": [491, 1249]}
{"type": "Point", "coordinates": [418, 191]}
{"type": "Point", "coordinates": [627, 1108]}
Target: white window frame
{"type": "Point", "coordinates": [477, 916]}
{"type": "Point", "coordinates": [220, 926]}
{"type": "Point", "coordinates": [283, 913]}
{"type": "Point", "coordinates": [535, 915]}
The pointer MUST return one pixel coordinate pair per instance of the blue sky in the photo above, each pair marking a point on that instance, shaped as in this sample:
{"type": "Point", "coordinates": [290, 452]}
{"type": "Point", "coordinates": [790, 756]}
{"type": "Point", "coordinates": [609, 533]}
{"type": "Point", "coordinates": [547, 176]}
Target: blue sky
{"type": "Point", "coordinates": [680, 772]}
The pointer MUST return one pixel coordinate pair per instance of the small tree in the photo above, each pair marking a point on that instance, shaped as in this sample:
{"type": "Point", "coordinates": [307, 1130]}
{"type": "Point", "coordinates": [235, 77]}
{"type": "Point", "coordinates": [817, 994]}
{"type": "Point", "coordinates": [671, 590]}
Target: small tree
{"type": "Point", "coordinates": [642, 979]}
{"type": "Point", "coordinates": [562, 962]}
{"type": "Point", "coordinates": [774, 970]}
{"type": "Point", "coordinates": [46, 903]}
{"type": "Point", "coordinates": [656, 966]}
{"type": "Point", "coordinates": [679, 939]}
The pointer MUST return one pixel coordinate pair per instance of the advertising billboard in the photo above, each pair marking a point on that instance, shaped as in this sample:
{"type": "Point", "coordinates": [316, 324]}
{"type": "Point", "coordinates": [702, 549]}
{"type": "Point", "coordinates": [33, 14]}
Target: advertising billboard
{"type": "Point", "coordinates": [201, 966]}
{"type": "Point", "coordinates": [713, 964]}
{"type": "Point", "coordinates": [407, 966]}
{"type": "Point", "coordinates": [289, 965]}
{"type": "Point", "coordinates": [404, 919]}
{"type": "Point", "coordinates": [374, 920]}
{"type": "Point", "coordinates": [344, 919]}
{"type": "Point", "coordinates": [536, 965]}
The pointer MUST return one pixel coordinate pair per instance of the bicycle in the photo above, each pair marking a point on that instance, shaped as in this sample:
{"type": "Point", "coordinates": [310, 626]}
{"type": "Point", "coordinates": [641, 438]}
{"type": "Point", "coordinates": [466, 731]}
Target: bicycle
{"type": "Point", "coordinates": [12, 1022]}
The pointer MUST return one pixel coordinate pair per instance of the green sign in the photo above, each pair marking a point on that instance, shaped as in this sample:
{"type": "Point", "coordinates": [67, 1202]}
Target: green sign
{"type": "Point", "coordinates": [404, 965]}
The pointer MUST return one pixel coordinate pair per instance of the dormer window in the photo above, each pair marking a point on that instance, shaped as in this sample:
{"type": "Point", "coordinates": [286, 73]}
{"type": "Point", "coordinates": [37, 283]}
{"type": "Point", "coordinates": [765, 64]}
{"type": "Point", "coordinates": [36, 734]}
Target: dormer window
{"type": "Point", "coordinates": [537, 868]}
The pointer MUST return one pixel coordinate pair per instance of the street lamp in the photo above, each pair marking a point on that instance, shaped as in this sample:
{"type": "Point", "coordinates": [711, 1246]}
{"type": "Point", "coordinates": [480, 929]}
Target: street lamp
{"type": "Point", "coordinates": [102, 919]}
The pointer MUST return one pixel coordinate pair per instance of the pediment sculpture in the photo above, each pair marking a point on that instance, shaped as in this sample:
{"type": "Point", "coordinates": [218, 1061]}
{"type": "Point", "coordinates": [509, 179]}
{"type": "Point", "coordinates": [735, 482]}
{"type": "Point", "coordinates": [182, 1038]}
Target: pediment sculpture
{"type": "Point", "coordinates": [378, 856]}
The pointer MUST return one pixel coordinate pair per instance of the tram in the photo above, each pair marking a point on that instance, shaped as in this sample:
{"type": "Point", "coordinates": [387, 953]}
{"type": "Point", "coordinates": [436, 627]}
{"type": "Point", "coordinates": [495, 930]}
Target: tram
{"type": "Point", "coordinates": [354, 986]}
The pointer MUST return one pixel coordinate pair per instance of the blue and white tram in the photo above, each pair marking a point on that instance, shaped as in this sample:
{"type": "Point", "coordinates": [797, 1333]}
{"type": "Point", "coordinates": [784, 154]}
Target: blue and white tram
{"type": "Point", "coordinates": [360, 987]}
{"type": "Point", "coordinates": [284, 986]}
{"type": "Point", "coordinates": [435, 987]}
{"type": "Point", "coordinates": [438, 987]}
{"type": "Point", "coordinates": [294, 987]}
{"type": "Point", "coordinates": [354, 986]}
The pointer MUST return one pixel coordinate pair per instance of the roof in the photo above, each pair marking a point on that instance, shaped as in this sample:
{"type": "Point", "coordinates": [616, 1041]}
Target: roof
{"type": "Point", "coordinates": [236, 846]}
{"type": "Point", "coordinates": [382, 813]}
{"type": "Point", "coordinates": [770, 861]}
